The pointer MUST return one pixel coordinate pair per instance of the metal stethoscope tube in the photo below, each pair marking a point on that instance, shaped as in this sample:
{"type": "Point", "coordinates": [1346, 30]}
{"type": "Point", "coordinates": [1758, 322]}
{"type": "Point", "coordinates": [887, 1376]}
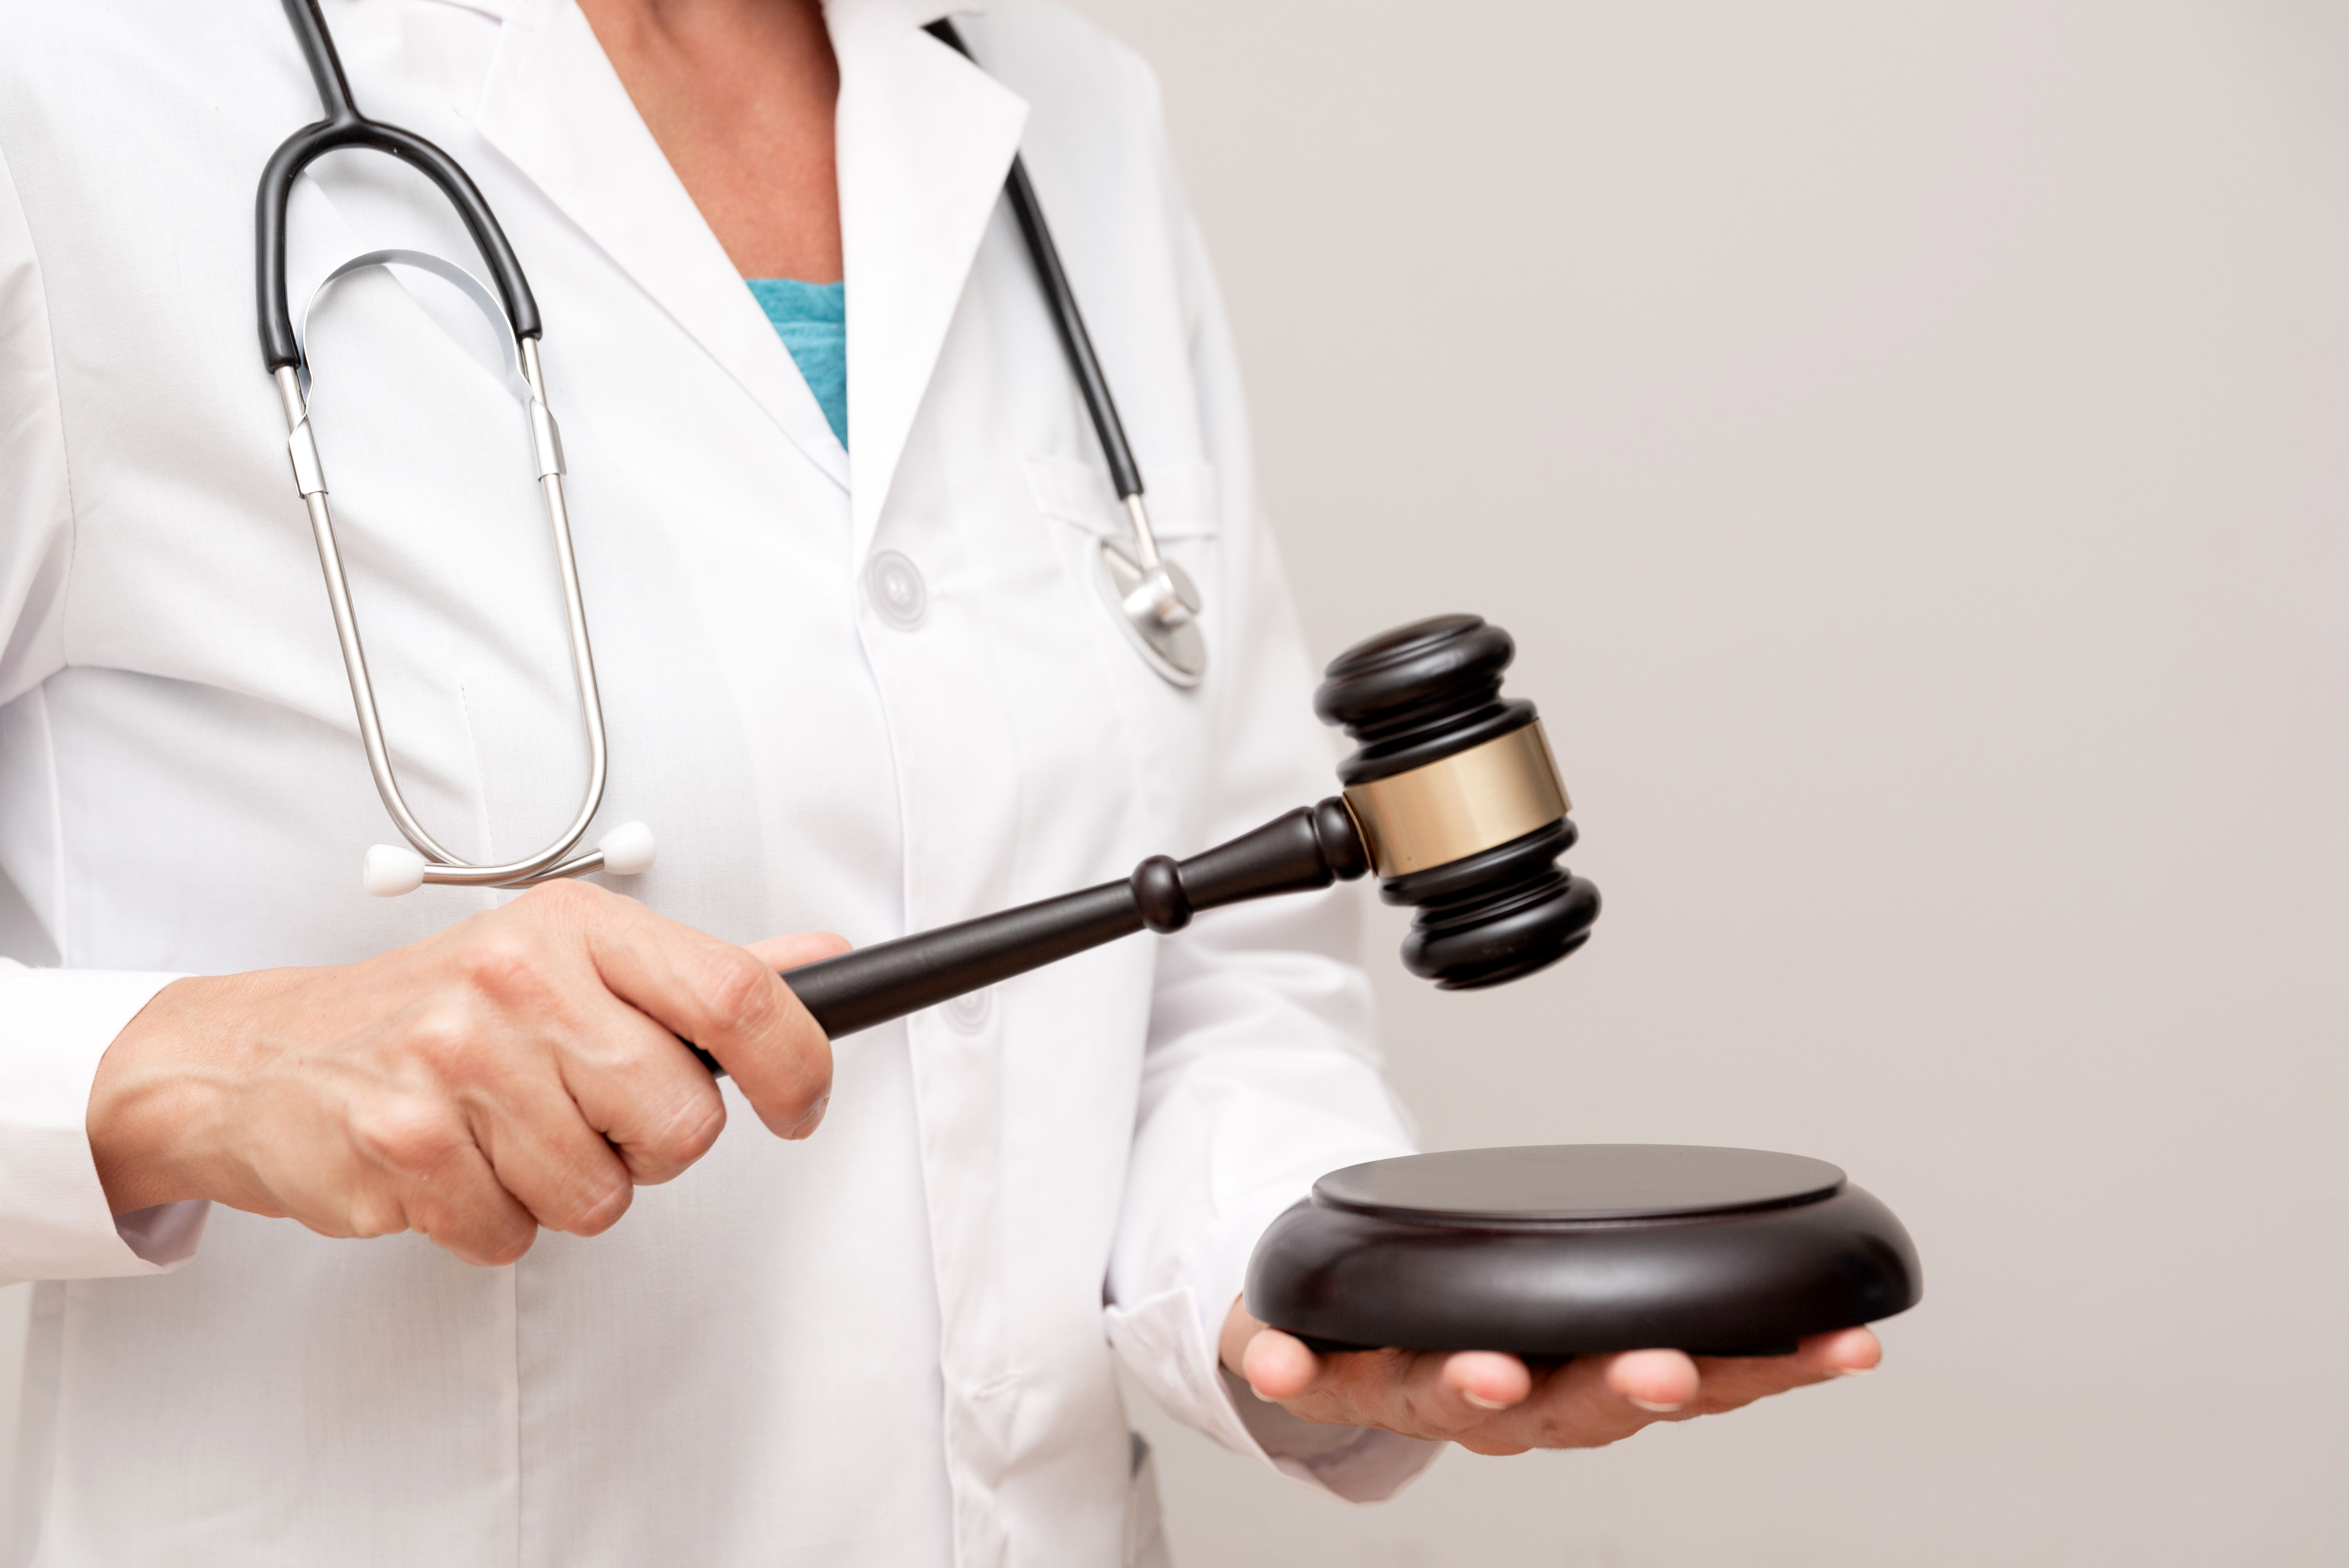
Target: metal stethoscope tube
{"type": "Point", "coordinates": [1154, 599]}
{"type": "Point", "coordinates": [625, 850]}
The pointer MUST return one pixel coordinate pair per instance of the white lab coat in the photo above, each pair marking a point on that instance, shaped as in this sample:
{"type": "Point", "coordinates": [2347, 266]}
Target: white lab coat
{"type": "Point", "coordinates": [889, 1345]}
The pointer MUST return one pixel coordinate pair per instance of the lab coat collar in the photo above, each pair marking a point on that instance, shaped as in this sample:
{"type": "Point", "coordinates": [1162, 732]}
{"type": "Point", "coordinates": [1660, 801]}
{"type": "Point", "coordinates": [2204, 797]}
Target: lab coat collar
{"type": "Point", "coordinates": [554, 106]}
{"type": "Point", "coordinates": [925, 141]}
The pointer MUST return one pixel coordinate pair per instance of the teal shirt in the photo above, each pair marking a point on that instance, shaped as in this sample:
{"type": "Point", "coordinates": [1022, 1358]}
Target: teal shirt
{"type": "Point", "coordinates": [812, 321]}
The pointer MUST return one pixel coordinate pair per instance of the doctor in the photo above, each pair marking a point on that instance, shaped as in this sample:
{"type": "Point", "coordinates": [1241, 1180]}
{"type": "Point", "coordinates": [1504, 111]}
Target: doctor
{"type": "Point", "coordinates": [853, 1306]}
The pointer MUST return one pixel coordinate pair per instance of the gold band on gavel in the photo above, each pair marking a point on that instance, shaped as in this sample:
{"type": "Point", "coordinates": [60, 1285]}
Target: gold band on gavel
{"type": "Point", "coordinates": [1460, 805]}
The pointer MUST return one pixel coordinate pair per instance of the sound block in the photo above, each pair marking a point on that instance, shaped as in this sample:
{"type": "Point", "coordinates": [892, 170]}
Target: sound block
{"type": "Point", "coordinates": [1576, 1249]}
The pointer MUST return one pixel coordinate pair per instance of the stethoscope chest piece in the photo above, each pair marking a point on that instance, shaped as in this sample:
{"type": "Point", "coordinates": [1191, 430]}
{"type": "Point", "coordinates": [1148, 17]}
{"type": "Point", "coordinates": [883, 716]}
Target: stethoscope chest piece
{"type": "Point", "coordinates": [1158, 609]}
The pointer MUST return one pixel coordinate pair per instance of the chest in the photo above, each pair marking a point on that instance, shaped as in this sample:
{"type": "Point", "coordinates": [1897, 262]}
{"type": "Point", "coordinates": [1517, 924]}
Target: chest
{"type": "Point", "coordinates": [805, 696]}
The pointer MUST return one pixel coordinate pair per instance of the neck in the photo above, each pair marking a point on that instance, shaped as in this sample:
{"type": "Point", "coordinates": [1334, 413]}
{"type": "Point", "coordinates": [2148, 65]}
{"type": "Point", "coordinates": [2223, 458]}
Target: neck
{"type": "Point", "coordinates": [739, 95]}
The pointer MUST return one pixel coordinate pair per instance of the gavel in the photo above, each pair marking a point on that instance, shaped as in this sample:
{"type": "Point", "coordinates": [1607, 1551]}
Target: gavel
{"type": "Point", "coordinates": [1451, 795]}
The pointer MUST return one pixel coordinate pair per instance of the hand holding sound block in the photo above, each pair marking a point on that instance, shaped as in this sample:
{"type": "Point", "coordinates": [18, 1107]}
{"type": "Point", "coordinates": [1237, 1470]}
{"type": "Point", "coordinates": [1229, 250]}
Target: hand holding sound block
{"type": "Point", "coordinates": [1411, 1291]}
{"type": "Point", "coordinates": [1583, 1249]}
{"type": "Point", "coordinates": [1493, 1403]}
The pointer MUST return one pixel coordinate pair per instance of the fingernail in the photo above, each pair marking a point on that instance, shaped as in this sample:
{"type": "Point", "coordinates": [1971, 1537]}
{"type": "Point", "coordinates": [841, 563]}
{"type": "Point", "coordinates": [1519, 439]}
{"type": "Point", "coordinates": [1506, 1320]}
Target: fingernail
{"type": "Point", "coordinates": [1482, 1403]}
{"type": "Point", "coordinates": [1853, 1371]}
{"type": "Point", "coordinates": [1652, 1405]}
{"type": "Point", "coordinates": [806, 1125]}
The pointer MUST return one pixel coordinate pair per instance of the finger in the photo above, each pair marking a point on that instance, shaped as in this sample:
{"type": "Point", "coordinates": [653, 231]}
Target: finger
{"type": "Point", "coordinates": [1487, 1380]}
{"type": "Point", "coordinates": [541, 1150]}
{"type": "Point", "coordinates": [712, 992]}
{"type": "Point", "coordinates": [1732, 1382]}
{"type": "Point", "coordinates": [1279, 1365]}
{"type": "Point", "coordinates": [472, 1216]}
{"type": "Point", "coordinates": [1659, 1382]}
{"type": "Point", "coordinates": [498, 1051]}
{"type": "Point", "coordinates": [633, 1086]}
{"type": "Point", "coordinates": [1446, 1394]}
{"type": "Point", "coordinates": [1465, 1397]}
{"type": "Point", "coordinates": [1350, 1388]}
{"type": "Point", "coordinates": [1847, 1352]}
{"type": "Point", "coordinates": [798, 948]}
{"type": "Point", "coordinates": [1591, 1401]}
{"type": "Point", "coordinates": [422, 1171]}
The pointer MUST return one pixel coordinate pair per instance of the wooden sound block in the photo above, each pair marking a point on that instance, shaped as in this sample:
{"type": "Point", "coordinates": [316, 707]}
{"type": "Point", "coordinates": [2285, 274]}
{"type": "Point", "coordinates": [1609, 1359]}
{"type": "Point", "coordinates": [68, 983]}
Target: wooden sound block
{"type": "Point", "coordinates": [1575, 1249]}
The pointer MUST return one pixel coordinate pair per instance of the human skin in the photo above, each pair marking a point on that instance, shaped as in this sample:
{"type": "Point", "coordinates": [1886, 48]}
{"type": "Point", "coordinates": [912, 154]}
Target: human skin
{"type": "Point", "coordinates": [1496, 1404]}
{"type": "Point", "coordinates": [521, 1070]}
{"type": "Point", "coordinates": [739, 96]}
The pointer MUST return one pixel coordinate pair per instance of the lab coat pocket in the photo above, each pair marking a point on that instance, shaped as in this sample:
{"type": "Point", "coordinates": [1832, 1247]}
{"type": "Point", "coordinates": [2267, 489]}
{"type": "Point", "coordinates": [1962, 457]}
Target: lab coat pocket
{"type": "Point", "coordinates": [1182, 497]}
{"type": "Point", "coordinates": [1168, 723]}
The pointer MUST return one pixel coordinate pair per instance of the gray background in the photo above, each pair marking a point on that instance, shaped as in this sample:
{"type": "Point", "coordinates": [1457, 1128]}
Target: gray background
{"type": "Point", "coordinates": [1912, 445]}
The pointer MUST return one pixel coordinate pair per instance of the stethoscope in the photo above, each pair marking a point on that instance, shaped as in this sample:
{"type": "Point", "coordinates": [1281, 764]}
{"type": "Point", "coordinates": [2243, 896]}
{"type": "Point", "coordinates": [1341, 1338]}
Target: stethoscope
{"type": "Point", "coordinates": [1152, 598]}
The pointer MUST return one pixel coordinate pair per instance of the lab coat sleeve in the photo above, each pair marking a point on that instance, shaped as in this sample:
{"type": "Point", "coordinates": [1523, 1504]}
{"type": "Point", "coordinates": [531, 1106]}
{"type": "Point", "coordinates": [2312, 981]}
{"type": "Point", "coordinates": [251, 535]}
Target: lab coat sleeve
{"type": "Point", "coordinates": [1260, 1073]}
{"type": "Point", "coordinates": [54, 1221]}
{"type": "Point", "coordinates": [54, 1023]}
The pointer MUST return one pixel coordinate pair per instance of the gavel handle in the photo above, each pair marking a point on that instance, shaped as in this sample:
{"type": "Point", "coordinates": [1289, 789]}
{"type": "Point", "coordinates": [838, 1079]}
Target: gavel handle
{"type": "Point", "coordinates": [1308, 847]}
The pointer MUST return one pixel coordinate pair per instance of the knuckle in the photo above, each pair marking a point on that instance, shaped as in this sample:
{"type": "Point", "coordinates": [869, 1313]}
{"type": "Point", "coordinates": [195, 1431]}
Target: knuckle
{"type": "Point", "coordinates": [741, 994]}
{"type": "Point", "coordinates": [407, 1134]}
{"type": "Point", "coordinates": [442, 1035]}
{"type": "Point", "coordinates": [370, 1215]}
{"type": "Point", "coordinates": [505, 964]}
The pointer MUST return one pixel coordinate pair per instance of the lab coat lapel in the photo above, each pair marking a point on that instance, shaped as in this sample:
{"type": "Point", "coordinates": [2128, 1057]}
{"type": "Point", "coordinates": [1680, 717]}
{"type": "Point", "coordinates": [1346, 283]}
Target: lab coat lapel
{"type": "Point", "coordinates": [926, 139]}
{"type": "Point", "coordinates": [556, 108]}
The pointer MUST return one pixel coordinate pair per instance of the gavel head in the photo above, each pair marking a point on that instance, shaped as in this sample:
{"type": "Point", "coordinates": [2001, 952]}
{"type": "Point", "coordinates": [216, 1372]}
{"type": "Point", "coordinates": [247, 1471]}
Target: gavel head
{"type": "Point", "coordinates": [1458, 801]}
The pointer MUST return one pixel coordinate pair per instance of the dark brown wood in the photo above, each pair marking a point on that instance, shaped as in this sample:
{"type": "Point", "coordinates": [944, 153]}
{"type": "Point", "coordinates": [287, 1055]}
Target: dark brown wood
{"type": "Point", "coordinates": [1580, 1249]}
{"type": "Point", "coordinates": [1416, 696]}
{"type": "Point", "coordinates": [1310, 847]}
{"type": "Point", "coordinates": [1410, 696]}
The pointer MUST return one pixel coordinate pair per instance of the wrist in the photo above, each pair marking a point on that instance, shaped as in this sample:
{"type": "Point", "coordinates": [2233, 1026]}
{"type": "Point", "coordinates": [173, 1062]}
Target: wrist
{"type": "Point", "coordinates": [155, 1091]}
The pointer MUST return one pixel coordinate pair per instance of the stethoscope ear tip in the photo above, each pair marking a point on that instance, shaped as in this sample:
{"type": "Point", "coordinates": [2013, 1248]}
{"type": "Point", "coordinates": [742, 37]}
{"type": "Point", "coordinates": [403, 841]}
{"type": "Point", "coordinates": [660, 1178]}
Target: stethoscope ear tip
{"type": "Point", "coordinates": [629, 850]}
{"type": "Point", "coordinates": [392, 870]}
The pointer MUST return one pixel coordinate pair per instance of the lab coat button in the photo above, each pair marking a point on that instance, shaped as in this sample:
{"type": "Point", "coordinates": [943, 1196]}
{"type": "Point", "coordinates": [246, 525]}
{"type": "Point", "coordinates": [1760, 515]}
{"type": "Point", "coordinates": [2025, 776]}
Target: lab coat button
{"type": "Point", "coordinates": [896, 589]}
{"type": "Point", "coordinates": [970, 1011]}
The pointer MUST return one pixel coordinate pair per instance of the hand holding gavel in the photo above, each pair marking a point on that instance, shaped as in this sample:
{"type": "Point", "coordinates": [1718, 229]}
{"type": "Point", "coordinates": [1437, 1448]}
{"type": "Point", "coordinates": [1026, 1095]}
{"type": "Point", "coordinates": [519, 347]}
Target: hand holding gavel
{"type": "Point", "coordinates": [519, 1068]}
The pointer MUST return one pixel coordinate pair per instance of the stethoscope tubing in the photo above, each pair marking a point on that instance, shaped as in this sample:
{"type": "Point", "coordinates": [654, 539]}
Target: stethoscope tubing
{"type": "Point", "coordinates": [1154, 598]}
{"type": "Point", "coordinates": [514, 311]}
{"type": "Point", "coordinates": [344, 126]}
{"type": "Point", "coordinates": [1069, 321]}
